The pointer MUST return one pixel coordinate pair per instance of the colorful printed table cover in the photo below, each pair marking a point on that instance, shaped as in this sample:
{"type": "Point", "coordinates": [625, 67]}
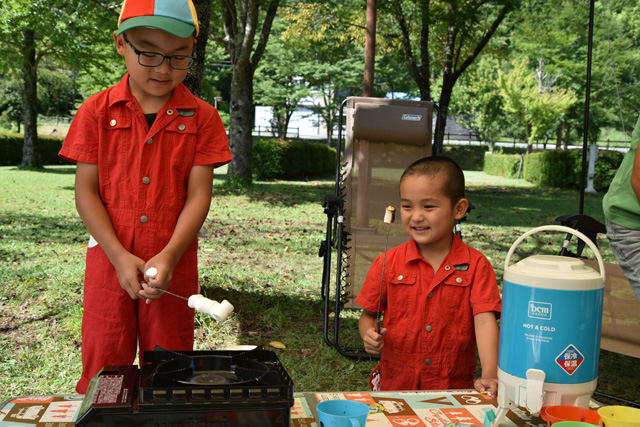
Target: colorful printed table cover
{"type": "Point", "coordinates": [416, 409]}
{"type": "Point", "coordinates": [413, 408]}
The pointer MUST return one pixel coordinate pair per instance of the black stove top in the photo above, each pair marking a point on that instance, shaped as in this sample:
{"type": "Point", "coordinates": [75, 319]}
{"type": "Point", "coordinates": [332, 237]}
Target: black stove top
{"type": "Point", "coordinates": [192, 388]}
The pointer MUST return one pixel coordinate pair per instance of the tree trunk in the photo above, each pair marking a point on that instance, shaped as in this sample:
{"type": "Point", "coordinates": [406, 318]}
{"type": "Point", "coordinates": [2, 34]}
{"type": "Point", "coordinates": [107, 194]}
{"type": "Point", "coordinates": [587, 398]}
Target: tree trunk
{"type": "Point", "coordinates": [559, 134]}
{"type": "Point", "coordinates": [287, 120]}
{"type": "Point", "coordinates": [240, 37]}
{"type": "Point", "coordinates": [281, 126]}
{"type": "Point", "coordinates": [30, 157]}
{"type": "Point", "coordinates": [196, 73]}
{"type": "Point", "coordinates": [419, 67]}
{"type": "Point", "coordinates": [241, 124]}
{"type": "Point", "coordinates": [443, 112]}
{"type": "Point", "coordinates": [449, 78]}
{"type": "Point", "coordinates": [454, 65]}
{"type": "Point", "coordinates": [567, 136]}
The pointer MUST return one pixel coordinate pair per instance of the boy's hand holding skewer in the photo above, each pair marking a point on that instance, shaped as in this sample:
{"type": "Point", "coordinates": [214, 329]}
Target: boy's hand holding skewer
{"type": "Point", "coordinates": [374, 340]}
{"type": "Point", "coordinates": [371, 328]}
{"type": "Point", "coordinates": [389, 217]}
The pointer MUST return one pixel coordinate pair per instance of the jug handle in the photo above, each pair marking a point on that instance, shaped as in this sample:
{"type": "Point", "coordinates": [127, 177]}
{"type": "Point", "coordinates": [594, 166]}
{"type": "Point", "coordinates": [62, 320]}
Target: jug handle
{"type": "Point", "coordinates": [564, 229]}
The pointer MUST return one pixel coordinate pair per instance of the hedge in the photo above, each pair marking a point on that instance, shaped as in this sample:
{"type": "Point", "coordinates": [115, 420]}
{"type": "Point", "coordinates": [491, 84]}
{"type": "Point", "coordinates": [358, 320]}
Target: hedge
{"type": "Point", "coordinates": [555, 168]}
{"type": "Point", "coordinates": [47, 148]}
{"type": "Point", "coordinates": [287, 159]}
{"type": "Point", "coordinates": [278, 159]}
{"type": "Point", "coordinates": [468, 157]}
{"type": "Point", "coordinates": [502, 164]}
{"type": "Point", "coordinates": [272, 159]}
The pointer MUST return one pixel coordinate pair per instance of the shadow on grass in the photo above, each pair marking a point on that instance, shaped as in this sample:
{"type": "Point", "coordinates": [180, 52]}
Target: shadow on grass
{"type": "Point", "coordinates": [280, 193]}
{"type": "Point", "coordinates": [18, 325]}
{"type": "Point", "coordinates": [59, 170]}
{"type": "Point", "coordinates": [261, 317]}
{"type": "Point", "coordinates": [528, 207]}
{"type": "Point", "coordinates": [263, 310]}
{"type": "Point", "coordinates": [264, 315]}
{"type": "Point", "coordinates": [18, 229]}
{"type": "Point", "coordinates": [494, 205]}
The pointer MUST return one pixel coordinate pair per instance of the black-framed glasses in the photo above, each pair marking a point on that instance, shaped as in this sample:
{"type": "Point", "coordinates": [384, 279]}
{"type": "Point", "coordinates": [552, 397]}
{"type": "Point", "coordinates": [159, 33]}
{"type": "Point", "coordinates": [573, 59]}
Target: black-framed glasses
{"type": "Point", "coordinates": [154, 59]}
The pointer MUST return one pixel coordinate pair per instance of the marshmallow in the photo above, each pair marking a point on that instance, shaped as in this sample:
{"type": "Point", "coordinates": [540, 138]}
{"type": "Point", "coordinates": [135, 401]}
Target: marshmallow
{"type": "Point", "coordinates": [219, 311]}
{"type": "Point", "coordinates": [389, 215]}
{"type": "Point", "coordinates": [152, 272]}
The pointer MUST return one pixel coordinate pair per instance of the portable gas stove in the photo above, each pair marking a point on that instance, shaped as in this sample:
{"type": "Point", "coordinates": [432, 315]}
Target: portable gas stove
{"type": "Point", "coordinates": [191, 388]}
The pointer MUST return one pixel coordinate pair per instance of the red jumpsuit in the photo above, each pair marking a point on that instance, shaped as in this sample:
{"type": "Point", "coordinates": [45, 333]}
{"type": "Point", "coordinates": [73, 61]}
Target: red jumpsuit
{"type": "Point", "coordinates": [430, 342]}
{"type": "Point", "coordinates": [143, 175]}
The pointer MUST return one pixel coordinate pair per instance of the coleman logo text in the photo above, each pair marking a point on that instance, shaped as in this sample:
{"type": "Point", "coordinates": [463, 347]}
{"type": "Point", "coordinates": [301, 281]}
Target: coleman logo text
{"type": "Point", "coordinates": [540, 310]}
{"type": "Point", "coordinates": [412, 117]}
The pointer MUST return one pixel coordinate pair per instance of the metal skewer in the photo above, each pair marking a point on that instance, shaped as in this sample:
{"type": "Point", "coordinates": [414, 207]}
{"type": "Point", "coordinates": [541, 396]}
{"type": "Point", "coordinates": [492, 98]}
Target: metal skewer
{"type": "Point", "coordinates": [166, 292]}
{"type": "Point", "coordinates": [152, 272]}
{"type": "Point", "coordinates": [170, 293]}
{"type": "Point", "coordinates": [389, 216]}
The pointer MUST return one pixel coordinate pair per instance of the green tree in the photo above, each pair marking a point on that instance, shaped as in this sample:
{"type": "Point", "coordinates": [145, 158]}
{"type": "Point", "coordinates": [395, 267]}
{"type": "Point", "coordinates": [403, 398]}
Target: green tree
{"type": "Point", "coordinates": [33, 30]}
{"type": "Point", "coordinates": [11, 100]}
{"type": "Point", "coordinates": [247, 26]}
{"type": "Point", "coordinates": [332, 83]}
{"type": "Point", "coordinates": [443, 38]}
{"type": "Point", "coordinates": [556, 31]}
{"type": "Point", "coordinates": [195, 78]}
{"type": "Point", "coordinates": [56, 89]}
{"type": "Point", "coordinates": [535, 104]}
{"type": "Point", "coordinates": [476, 100]}
{"type": "Point", "coordinates": [329, 40]}
{"type": "Point", "coordinates": [280, 85]}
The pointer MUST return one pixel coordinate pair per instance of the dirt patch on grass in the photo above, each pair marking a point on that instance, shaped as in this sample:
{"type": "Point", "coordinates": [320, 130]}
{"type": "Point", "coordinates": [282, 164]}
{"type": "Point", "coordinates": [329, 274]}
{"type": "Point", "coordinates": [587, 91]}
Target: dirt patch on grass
{"type": "Point", "coordinates": [53, 130]}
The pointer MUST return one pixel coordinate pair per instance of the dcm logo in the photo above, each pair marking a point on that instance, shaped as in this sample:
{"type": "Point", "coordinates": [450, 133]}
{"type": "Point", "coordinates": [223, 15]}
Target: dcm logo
{"type": "Point", "coordinates": [540, 310]}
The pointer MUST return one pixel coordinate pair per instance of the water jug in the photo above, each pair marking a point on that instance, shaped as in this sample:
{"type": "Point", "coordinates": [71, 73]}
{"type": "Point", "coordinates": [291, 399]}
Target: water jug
{"type": "Point", "coordinates": [550, 329]}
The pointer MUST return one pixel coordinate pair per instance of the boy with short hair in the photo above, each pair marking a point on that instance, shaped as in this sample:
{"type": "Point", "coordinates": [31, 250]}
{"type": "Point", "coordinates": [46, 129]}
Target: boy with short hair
{"type": "Point", "coordinates": [145, 151]}
{"type": "Point", "coordinates": [439, 296]}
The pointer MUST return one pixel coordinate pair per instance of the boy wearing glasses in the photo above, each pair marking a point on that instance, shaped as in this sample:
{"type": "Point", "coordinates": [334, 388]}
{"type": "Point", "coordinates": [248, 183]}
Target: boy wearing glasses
{"type": "Point", "coordinates": [145, 151]}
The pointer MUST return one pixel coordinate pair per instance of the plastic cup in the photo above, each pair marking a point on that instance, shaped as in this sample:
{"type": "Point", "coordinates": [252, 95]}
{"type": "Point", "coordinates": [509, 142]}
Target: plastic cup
{"type": "Point", "coordinates": [558, 413]}
{"type": "Point", "coordinates": [619, 416]}
{"type": "Point", "coordinates": [342, 413]}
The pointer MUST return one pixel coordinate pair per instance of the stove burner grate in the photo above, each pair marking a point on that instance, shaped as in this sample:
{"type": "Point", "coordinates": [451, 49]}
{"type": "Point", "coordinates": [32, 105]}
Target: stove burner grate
{"type": "Point", "coordinates": [213, 376]}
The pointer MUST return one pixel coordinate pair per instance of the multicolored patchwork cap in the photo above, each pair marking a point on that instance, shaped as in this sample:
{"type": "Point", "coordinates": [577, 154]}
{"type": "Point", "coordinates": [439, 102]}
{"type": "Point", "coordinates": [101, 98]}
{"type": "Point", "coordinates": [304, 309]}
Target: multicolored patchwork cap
{"type": "Point", "coordinates": [177, 17]}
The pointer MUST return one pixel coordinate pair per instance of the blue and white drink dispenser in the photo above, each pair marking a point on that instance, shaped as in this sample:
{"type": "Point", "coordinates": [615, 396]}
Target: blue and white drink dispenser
{"type": "Point", "coordinates": [550, 329]}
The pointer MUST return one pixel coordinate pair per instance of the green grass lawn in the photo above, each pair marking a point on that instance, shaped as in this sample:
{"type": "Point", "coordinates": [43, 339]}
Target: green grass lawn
{"type": "Point", "coordinates": [258, 249]}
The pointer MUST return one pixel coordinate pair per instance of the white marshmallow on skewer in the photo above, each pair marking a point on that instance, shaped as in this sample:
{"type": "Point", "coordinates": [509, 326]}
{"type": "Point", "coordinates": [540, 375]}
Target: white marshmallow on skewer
{"type": "Point", "coordinates": [219, 311]}
{"type": "Point", "coordinates": [389, 215]}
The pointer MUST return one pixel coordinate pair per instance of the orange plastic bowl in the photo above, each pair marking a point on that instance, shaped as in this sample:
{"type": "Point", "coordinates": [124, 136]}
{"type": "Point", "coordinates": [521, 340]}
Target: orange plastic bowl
{"type": "Point", "coordinates": [554, 414]}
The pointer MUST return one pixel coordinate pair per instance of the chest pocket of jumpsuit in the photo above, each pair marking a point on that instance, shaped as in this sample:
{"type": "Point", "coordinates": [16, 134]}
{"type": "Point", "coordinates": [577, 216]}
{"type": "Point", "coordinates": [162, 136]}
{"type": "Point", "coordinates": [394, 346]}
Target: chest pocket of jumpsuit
{"type": "Point", "coordinates": [178, 150]}
{"type": "Point", "coordinates": [457, 289]}
{"type": "Point", "coordinates": [402, 294]}
{"type": "Point", "coordinates": [113, 154]}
